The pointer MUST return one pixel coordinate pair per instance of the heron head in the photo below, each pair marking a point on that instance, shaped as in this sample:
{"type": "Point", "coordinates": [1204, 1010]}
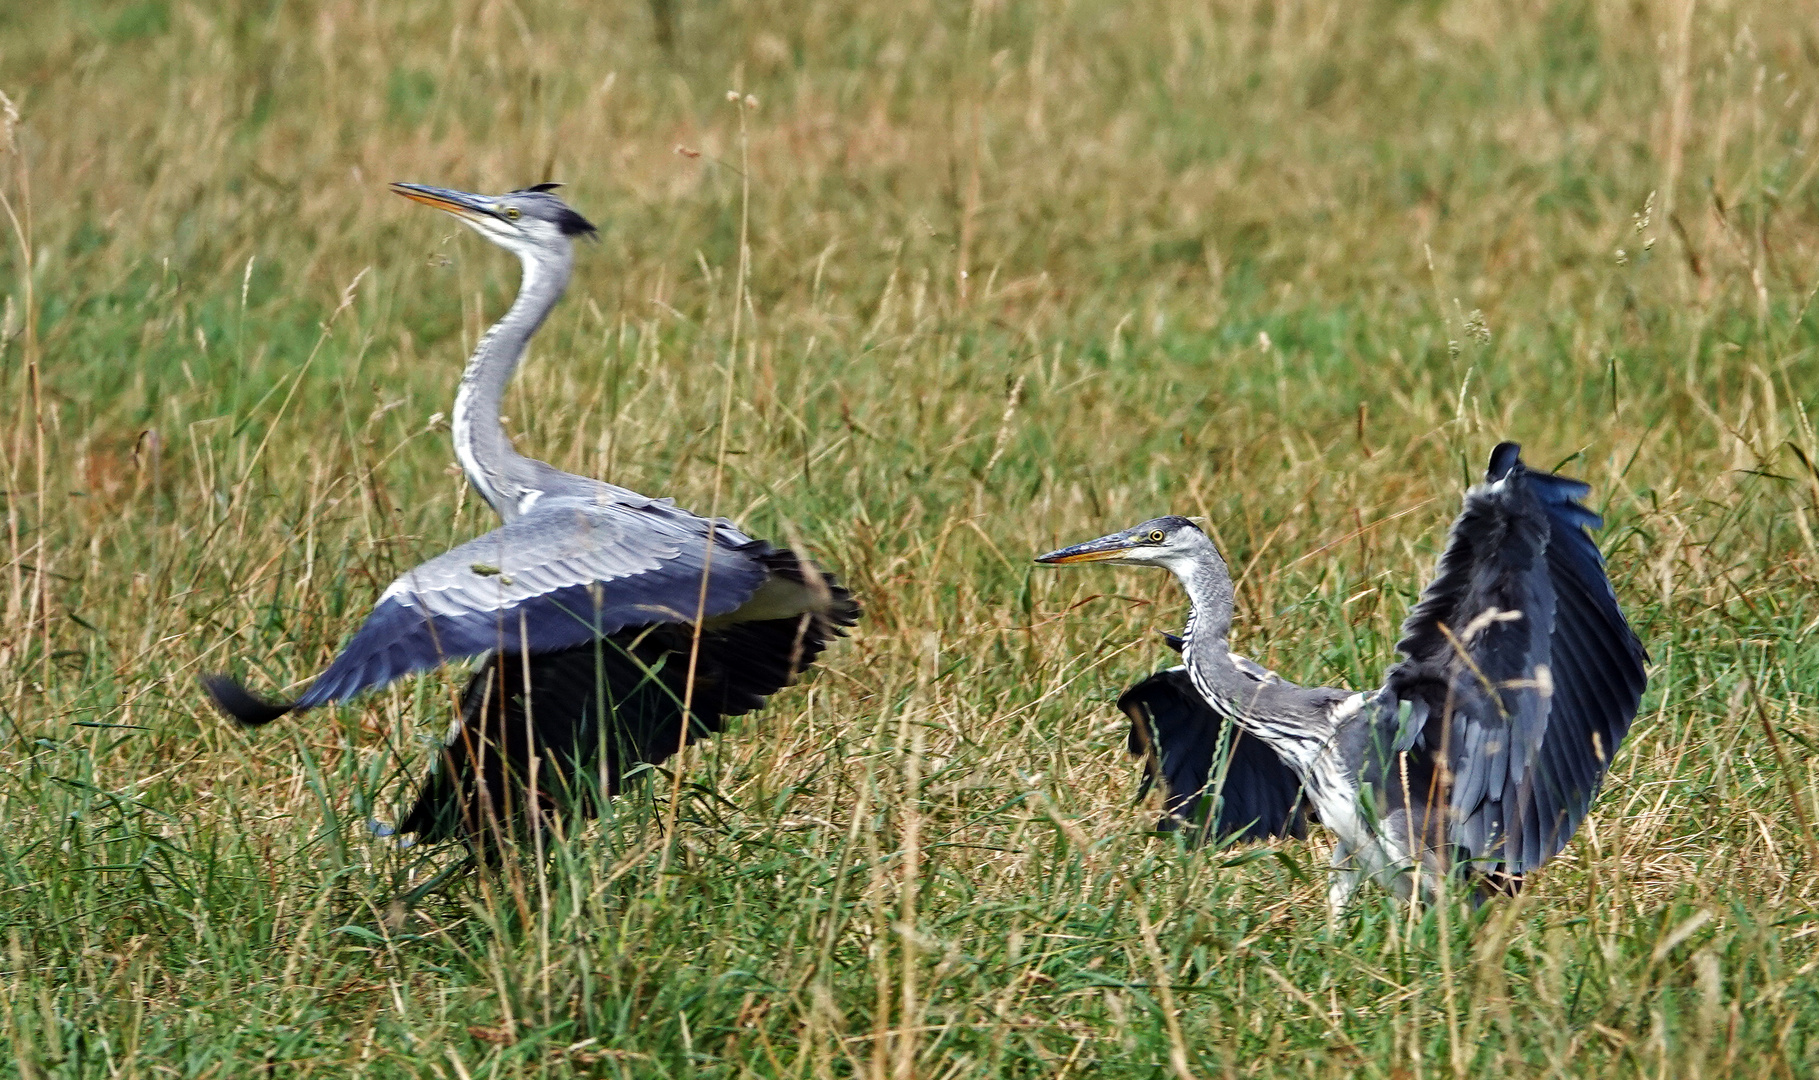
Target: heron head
{"type": "Point", "coordinates": [525, 222]}
{"type": "Point", "coordinates": [1165, 541]}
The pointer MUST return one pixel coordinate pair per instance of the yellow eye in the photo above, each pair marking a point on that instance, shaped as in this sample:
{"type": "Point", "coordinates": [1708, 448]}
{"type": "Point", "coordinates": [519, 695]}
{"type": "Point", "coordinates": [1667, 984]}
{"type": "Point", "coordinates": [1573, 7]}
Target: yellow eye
{"type": "Point", "coordinates": [512, 213]}
{"type": "Point", "coordinates": [1156, 536]}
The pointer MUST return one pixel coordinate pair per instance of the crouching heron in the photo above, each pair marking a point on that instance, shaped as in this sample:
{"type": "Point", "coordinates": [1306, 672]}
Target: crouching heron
{"type": "Point", "coordinates": [1485, 746]}
{"type": "Point", "coordinates": [615, 627]}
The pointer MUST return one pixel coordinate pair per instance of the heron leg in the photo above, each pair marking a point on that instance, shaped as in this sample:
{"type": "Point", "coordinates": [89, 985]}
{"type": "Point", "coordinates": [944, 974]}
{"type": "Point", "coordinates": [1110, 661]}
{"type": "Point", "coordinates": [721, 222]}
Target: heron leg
{"type": "Point", "coordinates": [1342, 881]}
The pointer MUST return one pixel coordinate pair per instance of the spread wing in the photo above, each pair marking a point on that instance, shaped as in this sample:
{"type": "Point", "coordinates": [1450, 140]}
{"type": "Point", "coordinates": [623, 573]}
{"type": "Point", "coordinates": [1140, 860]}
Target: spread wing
{"type": "Point", "coordinates": [566, 572]}
{"type": "Point", "coordinates": [1196, 752]}
{"type": "Point", "coordinates": [1521, 676]}
{"type": "Point", "coordinates": [621, 696]}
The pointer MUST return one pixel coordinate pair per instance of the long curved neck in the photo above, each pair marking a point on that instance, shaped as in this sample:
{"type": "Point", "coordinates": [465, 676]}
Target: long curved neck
{"type": "Point", "coordinates": [1207, 646]}
{"type": "Point", "coordinates": [1274, 712]}
{"type": "Point", "coordinates": [498, 472]}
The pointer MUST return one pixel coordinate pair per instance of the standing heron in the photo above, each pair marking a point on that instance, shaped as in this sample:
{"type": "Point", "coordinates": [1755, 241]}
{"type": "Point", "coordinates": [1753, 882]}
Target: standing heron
{"type": "Point", "coordinates": [1485, 746]}
{"type": "Point", "coordinates": [615, 627]}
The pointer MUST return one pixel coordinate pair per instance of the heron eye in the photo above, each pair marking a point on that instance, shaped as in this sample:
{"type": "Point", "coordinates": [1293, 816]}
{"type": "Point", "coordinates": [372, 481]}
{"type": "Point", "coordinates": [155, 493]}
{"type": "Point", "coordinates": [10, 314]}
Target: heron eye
{"type": "Point", "coordinates": [1156, 536]}
{"type": "Point", "coordinates": [512, 213]}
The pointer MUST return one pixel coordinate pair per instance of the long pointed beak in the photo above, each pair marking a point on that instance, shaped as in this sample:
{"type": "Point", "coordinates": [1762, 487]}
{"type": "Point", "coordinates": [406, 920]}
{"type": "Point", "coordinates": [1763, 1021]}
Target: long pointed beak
{"type": "Point", "coordinates": [462, 204]}
{"type": "Point", "coordinates": [1103, 549]}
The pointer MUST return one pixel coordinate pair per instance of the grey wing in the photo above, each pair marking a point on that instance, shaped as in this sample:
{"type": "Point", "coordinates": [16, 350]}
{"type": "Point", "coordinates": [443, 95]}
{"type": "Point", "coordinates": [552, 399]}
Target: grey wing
{"type": "Point", "coordinates": [565, 573]}
{"type": "Point", "coordinates": [1196, 751]}
{"type": "Point", "coordinates": [1521, 675]}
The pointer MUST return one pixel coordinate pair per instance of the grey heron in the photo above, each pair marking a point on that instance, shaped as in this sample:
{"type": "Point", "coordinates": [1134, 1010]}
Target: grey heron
{"type": "Point", "coordinates": [1482, 751]}
{"type": "Point", "coordinates": [600, 612]}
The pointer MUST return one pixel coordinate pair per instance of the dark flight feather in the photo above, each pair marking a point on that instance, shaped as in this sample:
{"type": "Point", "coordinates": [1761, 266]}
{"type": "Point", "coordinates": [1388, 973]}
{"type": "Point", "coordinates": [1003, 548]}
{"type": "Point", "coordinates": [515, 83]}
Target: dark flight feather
{"type": "Point", "coordinates": [1526, 671]}
{"type": "Point", "coordinates": [1185, 744]}
{"type": "Point", "coordinates": [590, 713]}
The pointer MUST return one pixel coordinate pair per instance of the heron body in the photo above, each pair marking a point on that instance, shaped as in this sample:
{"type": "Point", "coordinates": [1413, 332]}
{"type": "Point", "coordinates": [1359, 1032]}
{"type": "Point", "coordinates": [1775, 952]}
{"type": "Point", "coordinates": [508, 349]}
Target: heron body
{"type": "Point", "coordinates": [1485, 746]}
{"type": "Point", "coordinates": [615, 627]}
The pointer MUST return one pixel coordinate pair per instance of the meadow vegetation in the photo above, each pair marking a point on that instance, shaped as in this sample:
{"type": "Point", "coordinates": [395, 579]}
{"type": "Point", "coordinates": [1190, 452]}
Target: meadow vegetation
{"type": "Point", "coordinates": [1017, 274]}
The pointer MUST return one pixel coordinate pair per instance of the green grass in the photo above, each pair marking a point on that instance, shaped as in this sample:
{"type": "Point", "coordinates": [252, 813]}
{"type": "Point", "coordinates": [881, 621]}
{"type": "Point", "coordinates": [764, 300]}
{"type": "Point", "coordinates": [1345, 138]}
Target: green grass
{"type": "Point", "coordinates": [1295, 267]}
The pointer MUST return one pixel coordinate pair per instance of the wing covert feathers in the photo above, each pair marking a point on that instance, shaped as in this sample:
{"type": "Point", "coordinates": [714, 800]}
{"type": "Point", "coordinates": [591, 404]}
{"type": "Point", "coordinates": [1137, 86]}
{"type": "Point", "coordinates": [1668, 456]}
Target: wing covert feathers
{"type": "Point", "coordinates": [564, 574]}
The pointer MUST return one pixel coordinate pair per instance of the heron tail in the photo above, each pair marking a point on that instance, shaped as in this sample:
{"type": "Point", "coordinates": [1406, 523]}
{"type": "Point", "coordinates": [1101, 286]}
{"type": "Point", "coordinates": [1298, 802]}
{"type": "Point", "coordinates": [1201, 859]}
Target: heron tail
{"type": "Point", "coordinates": [241, 705]}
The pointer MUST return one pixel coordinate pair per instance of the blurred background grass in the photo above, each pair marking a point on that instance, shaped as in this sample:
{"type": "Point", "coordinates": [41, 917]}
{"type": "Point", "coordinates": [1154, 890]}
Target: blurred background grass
{"type": "Point", "coordinates": [1020, 274]}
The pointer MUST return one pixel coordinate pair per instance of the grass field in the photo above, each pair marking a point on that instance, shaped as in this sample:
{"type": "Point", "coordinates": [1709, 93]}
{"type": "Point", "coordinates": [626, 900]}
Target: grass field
{"type": "Point", "coordinates": [1017, 275]}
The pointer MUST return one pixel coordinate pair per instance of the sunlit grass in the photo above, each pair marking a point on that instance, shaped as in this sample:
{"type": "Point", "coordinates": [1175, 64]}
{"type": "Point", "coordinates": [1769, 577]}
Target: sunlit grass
{"type": "Point", "coordinates": [1019, 275]}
